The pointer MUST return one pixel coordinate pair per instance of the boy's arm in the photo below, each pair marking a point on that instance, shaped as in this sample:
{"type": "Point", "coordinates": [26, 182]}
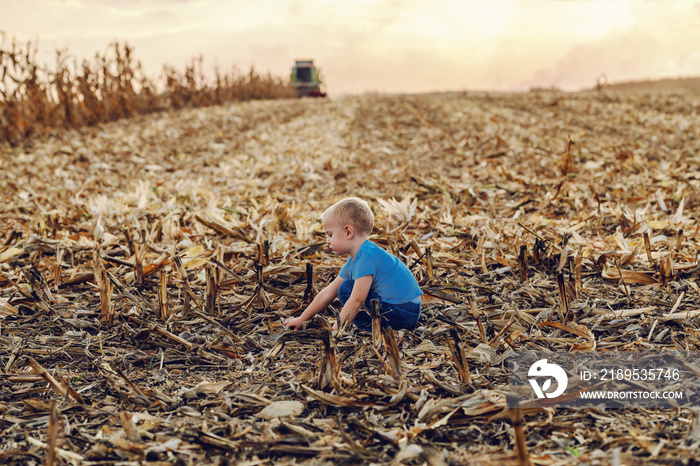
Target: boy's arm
{"type": "Point", "coordinates": [319, 303]}
{"type": "Point", "coordinates": [360, 290]}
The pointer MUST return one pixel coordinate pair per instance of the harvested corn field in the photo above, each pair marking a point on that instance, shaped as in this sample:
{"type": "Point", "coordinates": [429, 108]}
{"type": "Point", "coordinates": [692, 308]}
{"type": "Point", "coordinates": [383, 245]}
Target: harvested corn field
{"type": "Point", "coordinates": [148, 264]}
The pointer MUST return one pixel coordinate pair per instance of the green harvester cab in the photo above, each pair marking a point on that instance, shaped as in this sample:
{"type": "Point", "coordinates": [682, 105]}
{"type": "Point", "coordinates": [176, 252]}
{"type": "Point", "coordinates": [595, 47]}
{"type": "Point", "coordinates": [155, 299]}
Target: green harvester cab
{"type": "Point", "coordinates": [305, 78]}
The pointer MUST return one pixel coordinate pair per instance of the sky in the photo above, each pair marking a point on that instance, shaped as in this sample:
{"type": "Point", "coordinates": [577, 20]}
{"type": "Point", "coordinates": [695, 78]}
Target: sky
{"type": "Point", "coordinates": [384, 46]}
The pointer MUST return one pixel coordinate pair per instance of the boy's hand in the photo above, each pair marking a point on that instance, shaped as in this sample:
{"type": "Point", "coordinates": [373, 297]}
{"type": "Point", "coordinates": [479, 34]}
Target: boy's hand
{"type": "Point", "coordinates": [335, 326]}
{"type": "Point", "coordinates": [294, 323]}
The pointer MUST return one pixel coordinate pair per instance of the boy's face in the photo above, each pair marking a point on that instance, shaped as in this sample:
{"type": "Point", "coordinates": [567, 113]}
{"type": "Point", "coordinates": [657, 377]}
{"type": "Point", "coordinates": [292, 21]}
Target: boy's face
{"type": "Point", "coordinates": [337, 237]}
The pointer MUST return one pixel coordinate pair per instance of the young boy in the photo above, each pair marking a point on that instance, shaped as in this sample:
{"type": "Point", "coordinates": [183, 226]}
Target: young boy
{"type": "Point", "coordinates": [369, 273]}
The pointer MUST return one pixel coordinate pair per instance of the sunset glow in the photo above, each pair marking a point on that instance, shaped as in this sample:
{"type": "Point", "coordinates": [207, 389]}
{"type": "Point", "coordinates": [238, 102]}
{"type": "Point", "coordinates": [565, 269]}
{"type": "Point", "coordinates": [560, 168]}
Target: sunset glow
{"type": "Point", "coordinates": [384, 45]}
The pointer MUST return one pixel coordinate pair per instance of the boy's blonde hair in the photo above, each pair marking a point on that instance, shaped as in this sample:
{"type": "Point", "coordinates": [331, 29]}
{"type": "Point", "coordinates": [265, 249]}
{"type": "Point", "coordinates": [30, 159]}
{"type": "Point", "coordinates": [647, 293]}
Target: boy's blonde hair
{"type": "Point", "coordinates": [351, 211]}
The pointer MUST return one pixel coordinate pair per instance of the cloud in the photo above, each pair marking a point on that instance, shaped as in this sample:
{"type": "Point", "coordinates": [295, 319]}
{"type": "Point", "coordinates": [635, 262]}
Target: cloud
{"type": "Point", "coordinates": [639, 53]}
{"type": "Point", "coordinates": [385, 45]}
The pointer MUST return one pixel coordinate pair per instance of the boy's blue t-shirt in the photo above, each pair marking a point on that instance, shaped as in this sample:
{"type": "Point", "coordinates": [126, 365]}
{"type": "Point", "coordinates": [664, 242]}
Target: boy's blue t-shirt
{"type": "Point", "coordinates": [392, 280]}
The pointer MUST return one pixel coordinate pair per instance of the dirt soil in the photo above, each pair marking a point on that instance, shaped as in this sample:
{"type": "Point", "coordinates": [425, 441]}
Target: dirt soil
{"type": "Point", "coordinates": [147, 266]}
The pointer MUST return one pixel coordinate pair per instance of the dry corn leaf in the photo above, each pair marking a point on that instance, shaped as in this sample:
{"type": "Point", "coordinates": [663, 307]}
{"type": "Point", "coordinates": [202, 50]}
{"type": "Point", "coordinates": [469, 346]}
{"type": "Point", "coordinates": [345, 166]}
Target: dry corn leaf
{"type": "Point", "coordinates": [629, 276]}
{"type": "Point", "coordinates": [278, 409]}
{"type": "Point", "coordinates": [402, 211]}
{"type": "Point", "coordinates": [7, 309]}
{"type": "Point", "coordinates": [9, 253]}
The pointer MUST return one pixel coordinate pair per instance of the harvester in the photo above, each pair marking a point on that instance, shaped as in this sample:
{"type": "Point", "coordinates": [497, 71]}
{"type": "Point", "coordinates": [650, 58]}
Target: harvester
{"type": "Point", "coordinates": [306, 79]}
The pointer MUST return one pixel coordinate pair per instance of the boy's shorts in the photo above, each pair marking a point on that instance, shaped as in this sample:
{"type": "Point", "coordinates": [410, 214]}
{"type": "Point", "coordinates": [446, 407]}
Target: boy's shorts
{"type": "Point", "coordinates": [396, 316]}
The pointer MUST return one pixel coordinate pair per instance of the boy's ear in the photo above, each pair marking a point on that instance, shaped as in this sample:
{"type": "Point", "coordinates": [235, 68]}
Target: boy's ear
{"type": "Point", "coordinates": [349, 231]}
